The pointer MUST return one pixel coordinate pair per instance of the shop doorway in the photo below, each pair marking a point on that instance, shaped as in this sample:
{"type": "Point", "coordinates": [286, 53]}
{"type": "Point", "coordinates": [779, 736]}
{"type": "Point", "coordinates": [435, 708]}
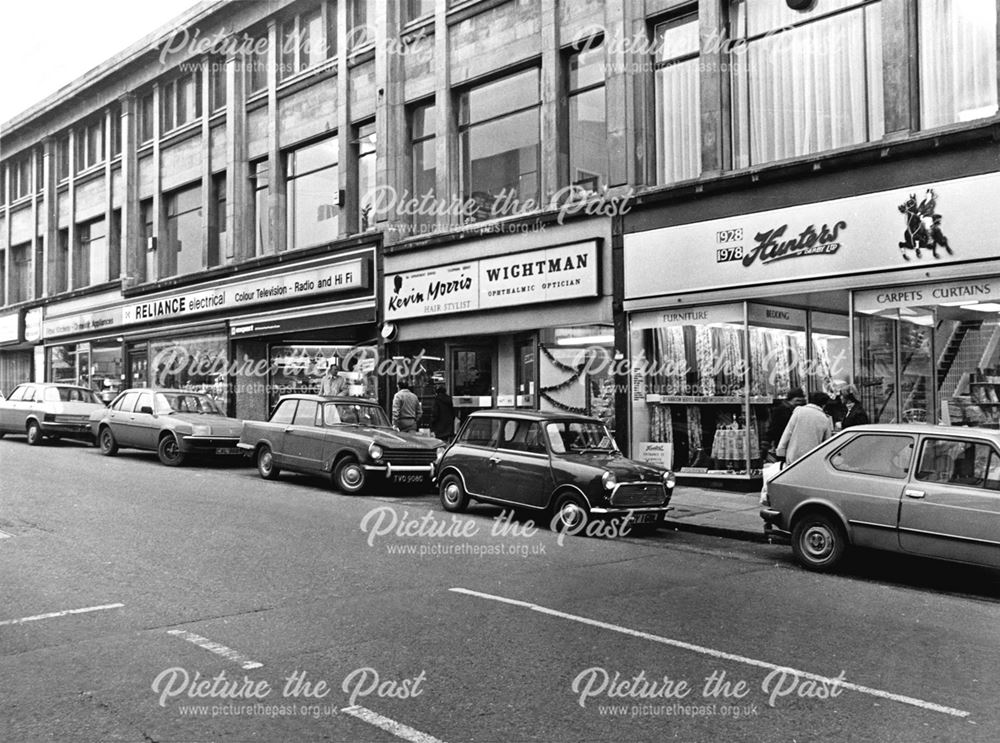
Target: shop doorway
{"type": "Point", "coordinates": [472, 371]}
{"type": "Point", "coordinates": [137, 365]}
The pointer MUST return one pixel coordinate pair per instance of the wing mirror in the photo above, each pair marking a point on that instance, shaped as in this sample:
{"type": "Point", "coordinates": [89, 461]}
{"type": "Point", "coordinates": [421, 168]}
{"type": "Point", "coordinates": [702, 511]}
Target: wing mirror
{"type": "Point", "coordinates": [146, 410]}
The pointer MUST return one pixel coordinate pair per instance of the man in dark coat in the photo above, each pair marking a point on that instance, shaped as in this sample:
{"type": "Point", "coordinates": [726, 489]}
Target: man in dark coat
{"type": "Point", "coordinates": [443, 415]}
{"type": "Point", "coordinates": [855, 415]}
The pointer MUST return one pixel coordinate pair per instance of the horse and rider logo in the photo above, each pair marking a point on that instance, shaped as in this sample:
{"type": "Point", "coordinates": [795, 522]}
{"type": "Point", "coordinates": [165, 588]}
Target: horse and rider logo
{"type": "Point", "coordinates": [923, 226]}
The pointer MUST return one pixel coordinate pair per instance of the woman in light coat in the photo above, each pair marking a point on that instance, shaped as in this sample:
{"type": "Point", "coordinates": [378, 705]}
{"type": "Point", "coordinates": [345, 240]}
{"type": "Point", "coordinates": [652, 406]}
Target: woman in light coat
{"type": "Point", "coordinates": [808, 427]}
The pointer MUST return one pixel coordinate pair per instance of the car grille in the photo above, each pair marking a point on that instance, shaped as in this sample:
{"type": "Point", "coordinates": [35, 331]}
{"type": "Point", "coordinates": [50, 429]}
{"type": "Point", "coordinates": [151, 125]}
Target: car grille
{"type": "Point", "coordinates": [403, 457]}
{"type": "Point", "coordinates": [632, 495]}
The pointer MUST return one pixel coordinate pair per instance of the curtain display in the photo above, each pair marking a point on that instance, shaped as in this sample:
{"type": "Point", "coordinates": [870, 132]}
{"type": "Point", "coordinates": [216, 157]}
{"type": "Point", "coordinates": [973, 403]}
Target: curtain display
{"type": "Point", "coordinates": [778, 361]}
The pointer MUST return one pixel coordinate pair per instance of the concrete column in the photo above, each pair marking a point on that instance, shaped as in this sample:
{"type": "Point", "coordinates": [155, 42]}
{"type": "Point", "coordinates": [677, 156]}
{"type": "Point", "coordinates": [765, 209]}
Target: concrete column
{"type": "Point", "coordinates": [629, 94]}
{"type": "Point", "coordinates": [554, 108]}
{"type": "Point", "coordinates": [51, 217]}
{"type": "Point", "coordinates": [716, 133]}
{"type": "Point", "coordinates": [277, 204]}
{"type": "Point", "coordinates": [38, 218]}
{"type": "Point", "coordinates": [133, 246]}
{"type": "Point", "coordinates": [5, 238]}
{"type": "Point", "coordinates": [71, 214]}
{"type": "Point", "coordinates": [901, 98]}
{"type": "Point", "coordinates": [347, 203]}
{"type": "Point", "coordinates": [159, 221]}
{"type": "Point", "coordinates": [239, 191]}
{"type": "Point", "coordinates": [392, 147]}
{"type": "Point", "coordinates": [209, 223]}
{"type": "Point", "coordinates": [447, 169]}
{"type": "Point", "coordinates": [114, 250]}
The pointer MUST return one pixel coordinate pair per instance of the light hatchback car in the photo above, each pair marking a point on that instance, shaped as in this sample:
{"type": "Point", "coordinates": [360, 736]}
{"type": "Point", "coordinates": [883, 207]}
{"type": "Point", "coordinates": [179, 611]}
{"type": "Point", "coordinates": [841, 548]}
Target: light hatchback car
{"type": "Point", "coordinates": [48, 410]}
{"type": "Point", "coordinates": [567, 467]}
{"type": "Point", "coordinates": [932, 491]}
{"type": "Point", "coordinates": [173, 423]}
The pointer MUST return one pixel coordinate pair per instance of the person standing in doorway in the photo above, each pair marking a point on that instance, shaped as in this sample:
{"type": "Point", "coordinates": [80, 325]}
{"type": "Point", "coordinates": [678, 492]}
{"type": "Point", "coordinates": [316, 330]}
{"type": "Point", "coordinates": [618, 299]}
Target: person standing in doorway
{"type": "Point", "coordinates": [443, 415]}
{"type": "Point", "coordinates": [854, 415]}
{"type": "Point", "coordinates": [406, 408]}
{"type": "Point", "coordinates": [808, 427]}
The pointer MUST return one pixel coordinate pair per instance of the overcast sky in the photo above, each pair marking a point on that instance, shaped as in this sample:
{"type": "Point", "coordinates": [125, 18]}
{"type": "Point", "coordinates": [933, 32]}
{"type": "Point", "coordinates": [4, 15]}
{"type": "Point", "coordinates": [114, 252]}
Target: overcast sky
{"type": "Point", "coordinates": [45, 44]}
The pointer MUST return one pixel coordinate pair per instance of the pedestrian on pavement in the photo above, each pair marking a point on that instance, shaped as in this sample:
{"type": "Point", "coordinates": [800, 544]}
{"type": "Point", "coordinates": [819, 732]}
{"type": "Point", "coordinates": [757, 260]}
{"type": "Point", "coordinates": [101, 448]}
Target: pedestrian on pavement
{"type": "Point", "coordinates": [406, 408]}
{"type": "Point", "coordinates": [779, 416]}
{"type": "Point", "coordinates": [808, 427]}
{"type": "Point", "coordinates": [855, 415]}
{"type": "Point", "coordinates": [443, 415]}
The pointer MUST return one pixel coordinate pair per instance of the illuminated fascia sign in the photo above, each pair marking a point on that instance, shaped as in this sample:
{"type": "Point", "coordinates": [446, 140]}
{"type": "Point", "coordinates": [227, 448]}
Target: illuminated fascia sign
{"type": "Point", "coordinates": [546, 275]}
{"type": "Point", "coordinates": [10, 327]}
{"type": "Point", "coordinates": [940, 293]}
{"type": "Point", "coordinates": [85, 322]}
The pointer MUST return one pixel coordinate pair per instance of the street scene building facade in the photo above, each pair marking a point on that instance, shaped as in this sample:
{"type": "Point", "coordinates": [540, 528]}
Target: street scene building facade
{"type": "Point", "coordinates": [662, 213]}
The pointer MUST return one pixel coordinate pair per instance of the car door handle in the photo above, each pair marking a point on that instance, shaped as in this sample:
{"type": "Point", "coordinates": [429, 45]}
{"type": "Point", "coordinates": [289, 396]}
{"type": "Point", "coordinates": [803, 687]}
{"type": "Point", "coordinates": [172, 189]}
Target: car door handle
{"type": "Point", "coordinates": [911, 493]}
{"type": "Point", "coordinates": [494, 460]}
{"type": "Point", "coordinates": [288, 430]}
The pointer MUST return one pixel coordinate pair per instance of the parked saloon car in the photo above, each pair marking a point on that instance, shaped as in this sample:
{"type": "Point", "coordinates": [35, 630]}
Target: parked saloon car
{"type": "Point", "coordinates": [918, 489]}
{"type": "Point", "coordinates": [345, 437]}
{"type": "Point", "coordinates": [48, 410]}
{"type": "Point", "coordinates": [173, 423]}
{"type": "Point", "coordinates": [567, 466]}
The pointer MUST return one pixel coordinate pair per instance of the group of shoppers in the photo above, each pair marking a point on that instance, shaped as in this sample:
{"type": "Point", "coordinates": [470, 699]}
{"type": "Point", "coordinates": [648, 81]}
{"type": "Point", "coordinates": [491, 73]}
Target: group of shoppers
{"type": "Point", "coordinates": [796, 426]}
{"type": "Point", "coordinates": [407, 410]}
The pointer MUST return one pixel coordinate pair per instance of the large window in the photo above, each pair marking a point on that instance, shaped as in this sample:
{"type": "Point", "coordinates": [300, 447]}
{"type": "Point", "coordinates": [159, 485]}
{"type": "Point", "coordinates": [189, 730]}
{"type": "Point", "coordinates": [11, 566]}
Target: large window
{"type": "Point", "coordinates": [184, 251]}
{"type": "Point", "coordinates": [91, 261]}
{"type": "Point", "coordinates": [366, 159]}
{"type": "Point", "coordinates": [423, 162]}
{"type": "Point", "coordinates": [197, 364]}
{"type": "Point", "coordinates": [313, 210]}
{"type": "Point", "coordinates": [180, 100]}
{"type": "Point", "coordinates": [958, 60]}
{"type": "Point", "coordinates": [62, 158]}
{"type": "Point", "coordinates": [217, 82]}
{"type": "Point", "coordinates": [20, 177]}
{"type": "Point", "coordinates": [360, 32]}
{"type": "Point", "coordinates": [499, 144]}
{"type": "Point", "coordinates": [678, 116]}
{"type": "Point", "coordinates": [303, 44]}
{"type": "Point", "coordinates": [20, 273]}
{"type": "Point", "coordinates": [805, 82]}
{"type": "Point", "coordinates": [146, 118]}
{"type": "Point", "coordinates": [588, 131]}
{"type": "Point", "coordinates": [257, 61]}
{"type": "Point", "coordinates": [90, 144]}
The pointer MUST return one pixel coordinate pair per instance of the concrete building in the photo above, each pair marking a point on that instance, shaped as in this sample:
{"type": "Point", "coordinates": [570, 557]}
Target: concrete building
{"type": "Point", "coordinates": [522, 195]}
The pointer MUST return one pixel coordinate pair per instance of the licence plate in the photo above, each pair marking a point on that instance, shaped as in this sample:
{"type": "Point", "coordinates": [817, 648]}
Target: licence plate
{"type": "Point", "coordinates": [408, 478]}
{"type": "Point", "coordinates": [226, 450]}
{"type": "Point", "coordinates": [645, 518]}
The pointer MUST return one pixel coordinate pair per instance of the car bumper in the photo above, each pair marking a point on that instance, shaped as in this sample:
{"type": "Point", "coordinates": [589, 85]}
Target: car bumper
{"type": "Point", "coordinates": [610, 512]}
{"type": "Point", "coordinates": [394, 470]}
{"type": "Point", "coordinates": [773, 525]}
{"type": "Point", "coordinates": [57, 428]}
{"type": "Point", "coordinates": [210, 445]}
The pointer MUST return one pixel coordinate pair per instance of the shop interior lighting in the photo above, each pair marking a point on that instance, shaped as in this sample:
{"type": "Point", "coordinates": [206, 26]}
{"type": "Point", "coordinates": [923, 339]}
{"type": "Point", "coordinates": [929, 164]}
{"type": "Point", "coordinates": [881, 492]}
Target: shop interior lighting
{"type": "Point", "coordinates": [982, 307]}
{"type": "Point", "coordinates": [922, 320]}
{"type": "Point", "coordinates": [582, 340]}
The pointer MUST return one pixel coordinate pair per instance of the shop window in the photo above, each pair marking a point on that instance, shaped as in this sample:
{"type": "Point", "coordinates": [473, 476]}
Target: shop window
{"type": "Point", "coordinates": [422, 365]}
{"type": "Point", "coordinates": [217, 83]}
{"type": "Point", "coordinates": [184, 249]}
{"type": "Point", "coordinates": [805, 81]}
{"type": "Point", "coordinates": [194, 364]}
{"type": "Point", "coordinates": [90, 144]}
{"type": "Point", "coordinates": [259, 181]}
{"type": "Point", "coordinates": [958, 60]}
{"type": "Point", "coordinates": [146, 118]}
{"type": "Point", "coordinates": [68, 364]}
{"type": "Point", "coordinates": [499, 145]}
{"type": "Point", "coordinates": [588, 131]}
{"type": "Point", "coordinates": [302, 43]}
{"type": "Point", "coordinates": [21, 282]}
{"type": "Point", "coordinates": [105, 370]}
{"type": "Point", "coordinates": [678, 100]}
{"type": "Point", "coordinates": [423, 164]}
{"type": "Point", "coordinates": [335, 370]}
{"type": "Point", "coordinates": [180, 101]}
{"type": "Point", "coordinates": [525, 374]}
{"type": "Point", "coordinates": [312, 193]}
{"type": "Point", "coordinates": [366, 162]}
{"type": "Point", "coordinates": [91, 262]}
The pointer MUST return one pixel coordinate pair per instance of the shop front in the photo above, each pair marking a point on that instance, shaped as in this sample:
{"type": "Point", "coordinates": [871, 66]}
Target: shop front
{"type": "Point", "coordinates": [519, 322]}
{"type": "Point", "coordinates": [17, 348]}
{"type": "Point", "coordinates": [812, 296]}
{"type": "Point", "coordinates": [244, 342]}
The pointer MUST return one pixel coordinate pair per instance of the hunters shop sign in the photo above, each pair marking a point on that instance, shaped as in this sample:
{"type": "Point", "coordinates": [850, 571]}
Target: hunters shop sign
{"type": "Point", "coordinates": [546, 275]}
{"type": "Point", "coordinates": [918, 226]}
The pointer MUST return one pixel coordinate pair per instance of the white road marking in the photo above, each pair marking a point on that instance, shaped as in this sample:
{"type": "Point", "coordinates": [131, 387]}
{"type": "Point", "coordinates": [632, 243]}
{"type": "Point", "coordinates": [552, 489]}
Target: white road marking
{"type": "Point", "coordinates": [228, 653]}
{"type": "Point", "coordinates": [54, 614]}
{"type": "Point", "coordinates": [721, 654]}
{"type": "Point", "coordinates": [5, 535]}
{"type": "Point", "coordinates": [389, 725]}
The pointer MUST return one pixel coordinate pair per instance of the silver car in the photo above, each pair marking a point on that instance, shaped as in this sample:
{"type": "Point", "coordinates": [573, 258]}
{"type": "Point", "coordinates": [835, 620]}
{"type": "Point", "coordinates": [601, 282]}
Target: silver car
{"type": "Point", "coordinates": [923, 490]}
{"type": "Point", "coordinates": [48, 410]}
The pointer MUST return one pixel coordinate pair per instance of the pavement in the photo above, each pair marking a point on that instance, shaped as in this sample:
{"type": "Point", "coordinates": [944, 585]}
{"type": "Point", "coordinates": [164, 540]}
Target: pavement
{"type": "Point", "coordinates": [717, 512]}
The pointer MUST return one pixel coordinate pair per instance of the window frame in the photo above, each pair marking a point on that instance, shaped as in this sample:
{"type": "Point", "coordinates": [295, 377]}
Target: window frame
{"type": "Point", "coordinates": [572, 52]}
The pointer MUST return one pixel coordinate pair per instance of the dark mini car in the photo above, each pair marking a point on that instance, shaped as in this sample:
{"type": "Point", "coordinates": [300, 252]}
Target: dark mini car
{"type": "Point", "coordinates": [347, 438]}
{"type": "Point", "coordinates": [173, 423]}
{"type": "Point", "coordinates": [918, 489]}
{"type": "Point", "coordinates": [48, 411]}
{"type": "Point", "coordinates": [566, 466]}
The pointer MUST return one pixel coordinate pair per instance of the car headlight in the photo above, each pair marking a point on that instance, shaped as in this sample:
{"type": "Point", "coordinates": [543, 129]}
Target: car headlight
{"type": "Point", "coordinates": [439, 453]}
{"type": "Point", "coordinates": [669, 480]}
{"type": "Point", "coordinates": [764, 500]}
{"type": "Point", "coordinates": [608, 480]}
{"type": "Point", "coordinates": [201, 430]}
{"type": "Point", "coordinates": [375, 451]}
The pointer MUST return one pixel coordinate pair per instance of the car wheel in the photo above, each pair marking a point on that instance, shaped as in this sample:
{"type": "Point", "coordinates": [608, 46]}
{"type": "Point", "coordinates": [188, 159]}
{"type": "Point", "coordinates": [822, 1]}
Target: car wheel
{"type": "Point", "coordinates": [571, 515]}
{"type": "Point", "coordinates": [169, 451]}
{"type": "Point", "coordinates": [453, 495]}
{"type": "Point", "coordinates": [34, 433]}
{"type": "Point", "coordinates": [107, 443]}
{"type": "Point", "coordinates": [265, 463]}
{"type": "Point", "coordinates": [349, 476]}
{"type": "Point", "coordinates": [818, 541]}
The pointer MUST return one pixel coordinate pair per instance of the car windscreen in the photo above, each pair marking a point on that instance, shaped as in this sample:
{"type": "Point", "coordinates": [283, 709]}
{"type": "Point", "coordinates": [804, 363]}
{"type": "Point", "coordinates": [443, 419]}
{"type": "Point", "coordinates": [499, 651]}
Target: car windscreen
{"type": "Point", "coordinates": [70, 394]}
{"type": "Point", "coordinates": [577, 436]}
{"type": "Point", "coordinates": [362, 415]}
{"type": "Point", "coordinates": [185, 402]}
